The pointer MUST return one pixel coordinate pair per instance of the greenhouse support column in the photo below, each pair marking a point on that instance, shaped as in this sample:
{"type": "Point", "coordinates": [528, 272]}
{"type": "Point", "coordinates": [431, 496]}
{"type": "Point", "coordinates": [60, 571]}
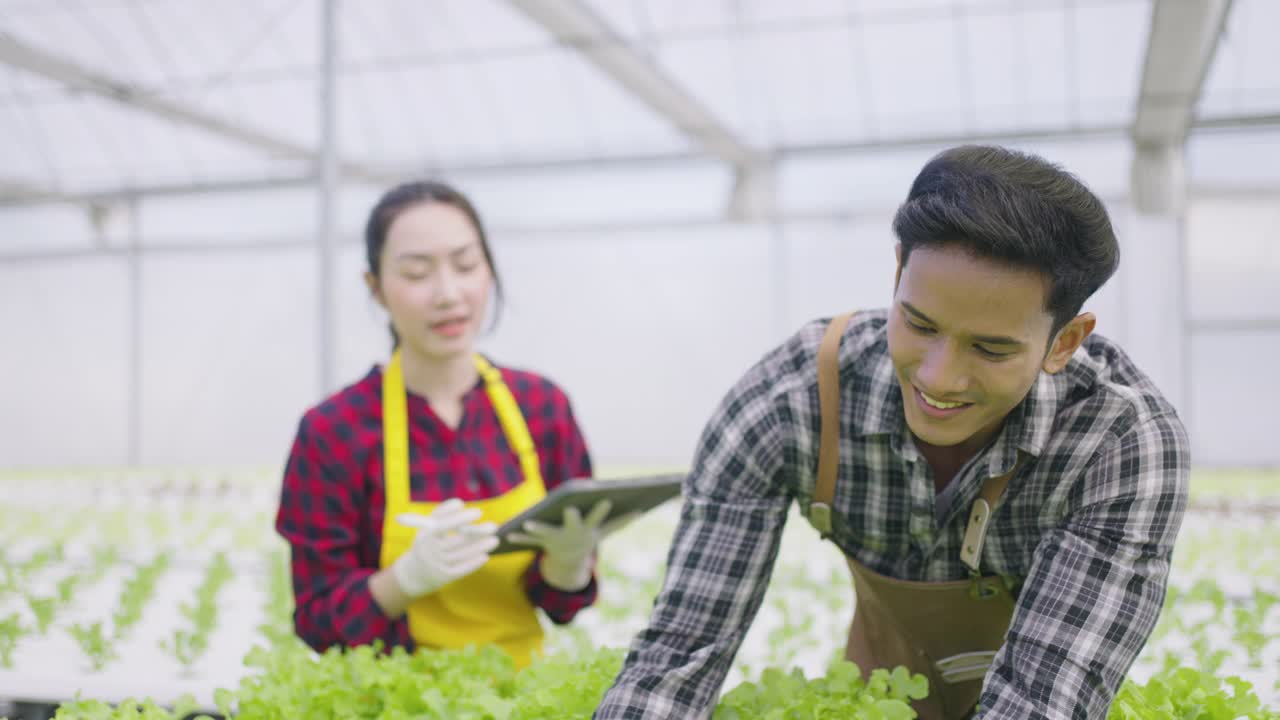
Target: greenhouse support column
{"type": "Point", "coordinates": [1153, 265]}
{"type": "Point", "coordinates": [134, 392]}
{"type": "Point", "coordinates": [328, 180]}
{"type": "Point", "coordinates": [781, 281]}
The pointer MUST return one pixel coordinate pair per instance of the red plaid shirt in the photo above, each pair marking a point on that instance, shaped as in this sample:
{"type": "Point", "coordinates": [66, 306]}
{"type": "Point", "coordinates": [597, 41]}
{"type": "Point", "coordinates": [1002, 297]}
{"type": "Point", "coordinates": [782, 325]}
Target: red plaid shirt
{"type": "Point", "coordinates": [332, 501]}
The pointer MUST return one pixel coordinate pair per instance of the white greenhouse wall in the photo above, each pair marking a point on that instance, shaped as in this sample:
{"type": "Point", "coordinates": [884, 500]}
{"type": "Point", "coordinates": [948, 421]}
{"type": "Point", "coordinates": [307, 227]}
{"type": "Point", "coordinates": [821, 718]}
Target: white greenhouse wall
{"type": "Point", "coordinates": [645, 327]}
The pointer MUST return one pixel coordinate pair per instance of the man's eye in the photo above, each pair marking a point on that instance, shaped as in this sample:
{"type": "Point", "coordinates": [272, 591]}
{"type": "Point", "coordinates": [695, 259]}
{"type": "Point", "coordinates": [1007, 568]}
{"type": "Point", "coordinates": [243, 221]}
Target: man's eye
{"type": "Point", "coordinates": [992, 353]}
{"type": "Point", "coordinates": [923, 330]}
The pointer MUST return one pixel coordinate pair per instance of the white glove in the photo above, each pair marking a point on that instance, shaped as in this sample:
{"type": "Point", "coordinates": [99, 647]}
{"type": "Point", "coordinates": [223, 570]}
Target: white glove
{"type": "Point", "coordinates": [448, 546]}
{"type": "Point", "coordinates": [569, 550]}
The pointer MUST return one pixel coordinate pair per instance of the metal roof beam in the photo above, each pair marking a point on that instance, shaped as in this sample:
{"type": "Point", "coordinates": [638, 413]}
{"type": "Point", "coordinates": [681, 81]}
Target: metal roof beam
{"type": "Point", "coordinates": [1183, 41]}
{"type": "Point", "coordinates": [16, 194]}
{"type": "Point", "coordinates": [1180, 49]}
{"type": "Point", "coordinates": [19, 54]}
{"type": "Point", "coordinates": [573, 24]}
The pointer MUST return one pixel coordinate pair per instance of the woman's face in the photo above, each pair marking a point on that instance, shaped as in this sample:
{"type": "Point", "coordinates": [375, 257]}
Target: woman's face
{"type": "Point", "coordinates": [434, 280]}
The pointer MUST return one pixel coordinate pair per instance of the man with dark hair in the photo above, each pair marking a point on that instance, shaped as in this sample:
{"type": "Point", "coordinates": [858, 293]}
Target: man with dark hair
{"type": "Point", "coordinates": [1005, 484]}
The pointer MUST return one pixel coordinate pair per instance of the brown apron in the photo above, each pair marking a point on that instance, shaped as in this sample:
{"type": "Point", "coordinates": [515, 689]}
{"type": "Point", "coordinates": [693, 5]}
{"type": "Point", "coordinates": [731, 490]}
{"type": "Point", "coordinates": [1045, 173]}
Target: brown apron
{"type": "Point", "coordinates": [947, 631]}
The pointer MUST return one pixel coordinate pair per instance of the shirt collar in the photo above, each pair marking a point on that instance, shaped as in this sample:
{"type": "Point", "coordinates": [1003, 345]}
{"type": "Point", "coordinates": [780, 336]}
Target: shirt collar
{"type": "Point", "coordinates": [1029, 425]}
{"type": "Point", "coordinates": [879, 409]}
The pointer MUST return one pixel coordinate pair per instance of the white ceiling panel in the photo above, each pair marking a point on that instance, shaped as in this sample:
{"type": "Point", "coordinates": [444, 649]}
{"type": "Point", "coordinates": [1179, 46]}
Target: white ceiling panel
{"type": "Point", "coordinates": [1244, 78]}
{"type": "Point", "coordinates": [916, 78]}
{"type": "Point", "coordinates": [467, 83]}
{"type": "Point", "coordinates": [1107, 53]}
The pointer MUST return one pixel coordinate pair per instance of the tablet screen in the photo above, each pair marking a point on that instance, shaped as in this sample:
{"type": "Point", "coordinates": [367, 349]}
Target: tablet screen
{"type": "Point", "coordinates": [628, 495]}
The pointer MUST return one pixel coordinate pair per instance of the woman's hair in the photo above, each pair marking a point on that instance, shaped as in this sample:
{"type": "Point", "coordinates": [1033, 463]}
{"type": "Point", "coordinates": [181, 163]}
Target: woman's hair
{"type": "Point", "coordinates": [421, 192]}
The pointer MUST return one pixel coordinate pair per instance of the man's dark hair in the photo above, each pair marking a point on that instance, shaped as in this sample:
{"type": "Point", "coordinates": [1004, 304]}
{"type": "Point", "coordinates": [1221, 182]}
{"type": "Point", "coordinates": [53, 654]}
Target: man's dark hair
{"type": "Point", "coordinates": [1017, 208]}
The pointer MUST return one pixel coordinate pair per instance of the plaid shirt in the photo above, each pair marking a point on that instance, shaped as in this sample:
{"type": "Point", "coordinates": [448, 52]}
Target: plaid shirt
{"type": "Point", "coordinates": [1087, 527]}
{"type": "Point", "coordinates": [333, 499]}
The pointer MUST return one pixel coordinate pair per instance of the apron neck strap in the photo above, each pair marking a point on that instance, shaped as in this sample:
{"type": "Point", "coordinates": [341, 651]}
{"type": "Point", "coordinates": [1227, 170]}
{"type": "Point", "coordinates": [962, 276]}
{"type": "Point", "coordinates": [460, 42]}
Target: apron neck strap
{"type": "Point", "coordinates": [395, 427]}
{"type": "Point", "coordinates": [509, 415]}
{"type": "Point", "coordinates": [829, 438]}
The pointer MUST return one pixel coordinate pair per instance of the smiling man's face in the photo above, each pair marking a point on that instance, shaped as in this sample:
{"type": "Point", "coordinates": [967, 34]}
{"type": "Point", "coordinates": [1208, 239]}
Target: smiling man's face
{"type": "Point", "coordinates": [968, 337]}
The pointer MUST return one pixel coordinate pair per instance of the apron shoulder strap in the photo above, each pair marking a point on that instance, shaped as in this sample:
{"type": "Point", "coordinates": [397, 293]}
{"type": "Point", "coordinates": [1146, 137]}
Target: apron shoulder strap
{"type": "Point", "coordinates": [510, 418]}
{"type": "Point", "coordinates": [829, 437]}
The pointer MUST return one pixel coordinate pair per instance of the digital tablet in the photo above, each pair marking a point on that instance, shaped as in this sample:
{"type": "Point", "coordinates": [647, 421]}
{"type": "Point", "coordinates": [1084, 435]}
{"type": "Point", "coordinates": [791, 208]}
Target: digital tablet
{"type": "Point", "coordinates": [629, 495]}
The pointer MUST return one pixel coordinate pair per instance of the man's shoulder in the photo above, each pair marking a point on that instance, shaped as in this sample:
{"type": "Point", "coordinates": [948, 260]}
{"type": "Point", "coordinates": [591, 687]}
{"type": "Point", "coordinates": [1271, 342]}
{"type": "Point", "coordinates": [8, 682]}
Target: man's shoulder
{"type": "Point", "coordinates": [1109, 408]}
{"type": "Point", "coordinates": [862, 344]}
{"type": "Point", "coordinates": [1103, 380]}
{"type": "Point", "coordinates": [783, 385]}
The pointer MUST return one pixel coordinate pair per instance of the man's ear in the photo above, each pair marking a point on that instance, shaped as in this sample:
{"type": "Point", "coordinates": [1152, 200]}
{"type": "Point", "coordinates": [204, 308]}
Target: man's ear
{"type": "Point", "coordinates": [1070, 337]}
{"type": "Point", "coordinates": [371, 281]}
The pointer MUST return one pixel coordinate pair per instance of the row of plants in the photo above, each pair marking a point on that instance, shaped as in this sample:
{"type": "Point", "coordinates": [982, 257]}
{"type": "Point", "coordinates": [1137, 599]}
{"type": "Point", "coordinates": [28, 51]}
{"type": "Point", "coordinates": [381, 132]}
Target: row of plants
{"type": "Point", "coordinates": [482, 684]}
{"type": "Point", "coordinates": [100, 644]}
{"type": "Point", "coordinates": [277, 607]}
{"type": "Point", "coordinates": [100, 640]}
{"type": "Point", "coordinates": [45, 608]}
{"type": "Point", "coordinates": [1206, 632]}
{"type": "Point", "coordinates": [130, 527]}
{"type": "Point", "coordinates": [1238, 623]}
{"type": "Point", "coordinates": [187, 644]}
{"type": "Point", "coordinates": [1222, 612]}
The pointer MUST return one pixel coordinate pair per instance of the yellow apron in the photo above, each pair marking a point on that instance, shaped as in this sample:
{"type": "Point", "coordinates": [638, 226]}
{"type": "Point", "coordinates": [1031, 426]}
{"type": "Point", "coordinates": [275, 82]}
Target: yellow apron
{"type": "Point", "coordinates": [490, 605]}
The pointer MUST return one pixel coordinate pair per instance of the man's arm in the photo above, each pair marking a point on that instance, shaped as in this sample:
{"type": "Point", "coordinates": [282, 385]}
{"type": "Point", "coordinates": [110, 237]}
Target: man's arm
{"type": "Point", "coordinates": [1097, 583]}
{"type": "Point", "coordinates": [731, 523]}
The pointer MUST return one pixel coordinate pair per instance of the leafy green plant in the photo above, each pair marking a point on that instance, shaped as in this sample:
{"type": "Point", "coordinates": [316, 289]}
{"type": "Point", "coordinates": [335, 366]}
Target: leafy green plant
{"type": "Point", "coordinates": [11, 630]}
{"type": "Point", "coordinates": [44, 609]}
{"type": "Point", "coordinates": [95, 643]}
{"type": "Point", "coordinates": [75, 523]}
{"type": "Point", "coordinates": [565, 686]}
{"type": "Point", "coordinates": [364, 682]}
{"type": "Point", "coordinates": [1190, 694]}
{"type": "Point", "coordinates": [39, 560]}
{"type": "Point", "coordinates": [9, 579]}
{"type": "Point", "coordinates": [104, 558]}
{"type": "Point", "coordinates": [277, 624]}
{"type": "Point", "coordinates": [842, 692]}
{"type": "Point", "coordinates": [482, 684]}
{"type": "Point", "coordinates": [158, 526]}
{"type": "Point", "coordinates": [128, 709]}
{"type": "Point", "coordinates": [66, 588]}
{"type": "Point", "coordinates": [1207, 659]}
{"type": "Point", "coordinates": [117, 526]}
{"type": "Point", "coordinates": [187, 645]}
{"type": "Point", "coordinates": [136, 592]}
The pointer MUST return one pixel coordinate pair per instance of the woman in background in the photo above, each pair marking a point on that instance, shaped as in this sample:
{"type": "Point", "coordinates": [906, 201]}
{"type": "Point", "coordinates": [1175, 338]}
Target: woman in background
{"type": "Point", "coordinates": [387, 478]}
